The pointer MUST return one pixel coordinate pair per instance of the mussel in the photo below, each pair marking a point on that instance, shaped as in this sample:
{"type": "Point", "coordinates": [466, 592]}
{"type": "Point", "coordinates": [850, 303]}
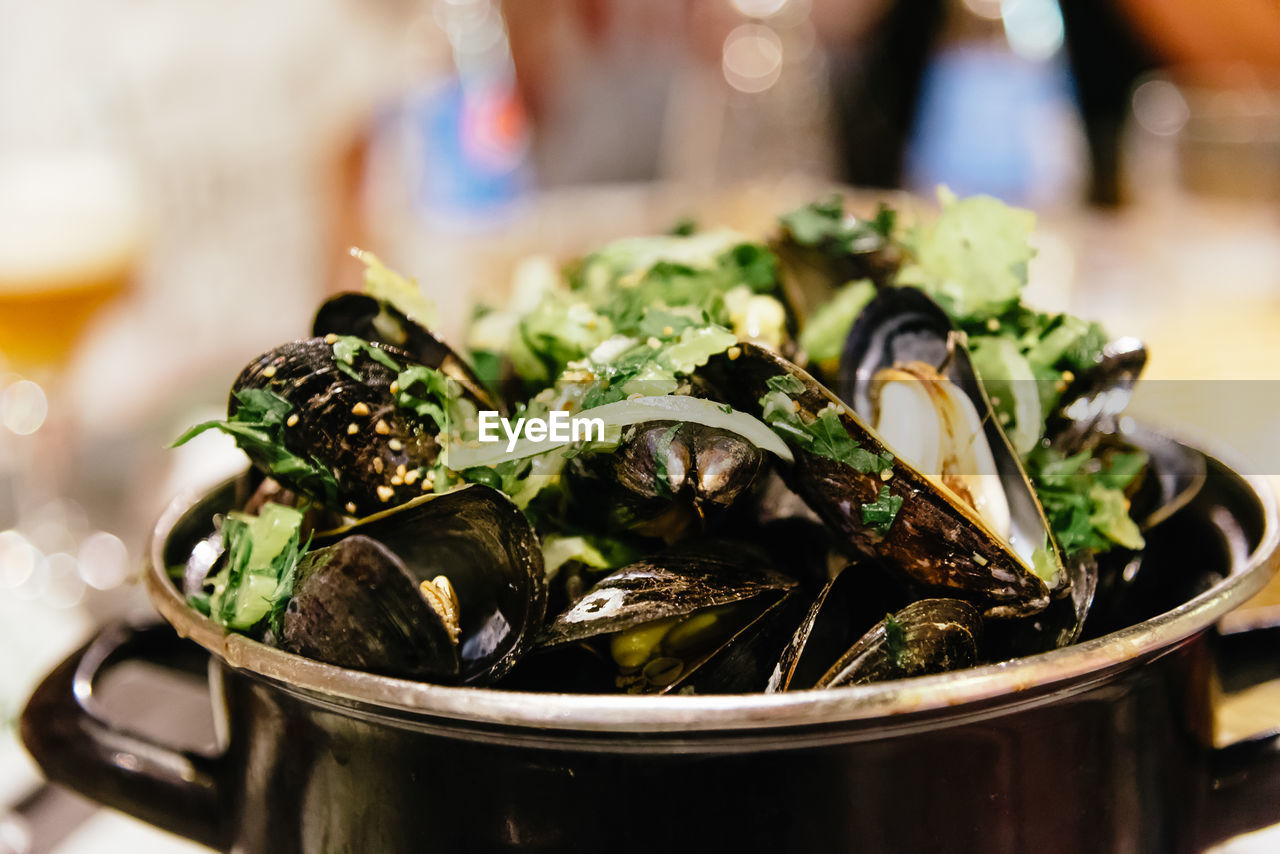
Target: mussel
{"type": "Point", "coordinates": [474, 538]}
{"type": "Point", "coordinates": [821, 248]}
{"type": "Point", "coordinates": [847, 607]}
{"type": "Point", "coordinates": [1092, 403]}
{"type": "Point", "coordinates": [907, 372]}
{"type": "Point", "coordinates": [702, 617]}
{"type": "Point", "coordinates": [355, 604]}
{"type": "Point", "coordinates": [378, 321]}
{"type": "Point", "coordinates": [347, 441]}
{"type": "Point", "coordinates": [666, 476]}
{"type": "Point", "coordinates": [935, 538]}
{"type": "Point", "coordinates": [927, 636]}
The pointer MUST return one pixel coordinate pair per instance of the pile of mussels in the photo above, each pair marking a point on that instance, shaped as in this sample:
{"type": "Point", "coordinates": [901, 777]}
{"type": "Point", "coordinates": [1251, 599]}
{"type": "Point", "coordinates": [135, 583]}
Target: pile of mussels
{"type": "Point", "coordinates": [893, 531]}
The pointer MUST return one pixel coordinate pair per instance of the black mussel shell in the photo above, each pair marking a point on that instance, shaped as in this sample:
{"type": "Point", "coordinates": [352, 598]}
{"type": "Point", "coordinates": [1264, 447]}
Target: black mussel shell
{"type": "Point", "coordinates": [350, 426]}
{"type": "Point", "coordinates": [846, 607]}
{"type": "Point", "coordinates": [484, 545]}
{"type": "Point", "coordinates": [1094, 400]}
{"type": "Point", "coordinates": [673, 583]}
{"type": "Point", "coordinates": [1056, 626]}
{"type": "Point", "coordinates": [899, 325]}
{"type": "Point", "coordinates": [780, 522]}
{"type": "Point", "coordinates": [1185, 555]}
{"type": "Point", "coordinates": [677, 583]}
{"type": "Point", "coordinates": [381, 322]}
{"type": "Point", "coordinates": [933, 540]}
{"type": "Point", "coordinates": [355, 605]}
{"type": "Point", "coordinates": [903, 325]}
{"type": "Point", "coordinates": [928, 636]}
{"type": "Point", "coordinates": [665, 476]}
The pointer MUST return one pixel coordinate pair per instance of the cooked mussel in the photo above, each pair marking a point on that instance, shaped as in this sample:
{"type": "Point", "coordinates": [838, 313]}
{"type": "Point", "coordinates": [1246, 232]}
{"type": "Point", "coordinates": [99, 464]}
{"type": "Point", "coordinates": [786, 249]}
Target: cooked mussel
{"type": "Point", "coordinates": [379, 321]}
{"type": "Point", "coordinates": [845, 609]}
{"type": "Point", "coordinates": [908, 373]}
{"type": "Point", "coordinates": [1092, 403]}
{"type": "Point", "coordinates": [1171, 477]}
{"type": "Point", "coordinates": [928, 636]}
{"type": "Point", "coordinates": [350, 444]}
{"type": "Point", "coordinates": [700, 617]}
{"type": "Point", "coordinates": [822, 247]}
{"type": "Point", "coordinates": [485, 549]}
{"type": "Point", "coordinates": [666, 476]}
{"type": "Point", "coordinates": [935, 538]}
{"type": "Point", "coordinates": [355, 604]}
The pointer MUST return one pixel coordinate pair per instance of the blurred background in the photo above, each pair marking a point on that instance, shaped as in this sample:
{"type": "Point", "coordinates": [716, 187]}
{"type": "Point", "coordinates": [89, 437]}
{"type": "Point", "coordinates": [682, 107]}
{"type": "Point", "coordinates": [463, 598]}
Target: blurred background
{"type": "Point", "coordinates": [180, 183]}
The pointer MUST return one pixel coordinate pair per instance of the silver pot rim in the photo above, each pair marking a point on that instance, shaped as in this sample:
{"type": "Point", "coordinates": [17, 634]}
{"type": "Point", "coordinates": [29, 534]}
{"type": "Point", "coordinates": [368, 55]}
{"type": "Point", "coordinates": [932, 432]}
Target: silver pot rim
{"type": "Point", "coordinates": [1019, 681]}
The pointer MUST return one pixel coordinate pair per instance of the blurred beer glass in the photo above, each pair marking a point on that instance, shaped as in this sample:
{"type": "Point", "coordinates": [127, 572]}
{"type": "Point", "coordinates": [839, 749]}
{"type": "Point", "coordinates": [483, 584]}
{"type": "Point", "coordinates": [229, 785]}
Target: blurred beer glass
{"type": "Point", "coordinates": [70, 242]}
{"type": "Point", "coordinates": [71, 239]}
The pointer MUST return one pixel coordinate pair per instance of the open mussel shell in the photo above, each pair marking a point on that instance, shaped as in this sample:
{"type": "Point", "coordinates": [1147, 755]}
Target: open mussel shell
{"type": "Point", "coordinates": [935, 540]}
{"type": "Point", "coordinates": [355, 604]}
{"type": "Point", "coordinates": [928, 636]}
{"type": "Point", "coordinates": [904, 325]}
{"type": "Point", "coordinates": [348, 425]}
{"type": "Point", "coordinates": [666, 476]}
{"type": "Point", "coordinates": [678, 583]}
{"type": "Point", "coordinates": [381, 322]}
{"type": "Point", "coordinates": [1094, 400]}
{"type": "Point", "coordinates": [846, 607]}
{"type": "Point", "coordinates": [481, 542]}
{"type": "Point", "coordinates": [1058, 625]}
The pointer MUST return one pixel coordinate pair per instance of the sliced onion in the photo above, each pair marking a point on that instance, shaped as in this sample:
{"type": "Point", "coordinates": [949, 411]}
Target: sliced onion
{"type": "Point", "coordinates": [677, 407]}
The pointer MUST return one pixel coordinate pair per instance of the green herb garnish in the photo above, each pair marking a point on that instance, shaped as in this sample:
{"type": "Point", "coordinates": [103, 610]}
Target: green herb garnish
{"type": "Point", "coordinates": [879, 514]}
{"type": "Point", "coordinates": [895, 641]}
{"type": "Point", "coordinates": [258, 427]}
{"type": "Point", "coordinates": [825, 435]}
{"type": "Point", "coordinates": [256, 581]}
{"type": "Point", "coordinates": [347, 347]}
{"type": "Point", "coordinates": [1084, 500]}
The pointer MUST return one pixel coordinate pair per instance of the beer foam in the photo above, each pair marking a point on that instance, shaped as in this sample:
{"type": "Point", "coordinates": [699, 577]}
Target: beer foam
{"type": "Point", "coordinates": [65, 220]}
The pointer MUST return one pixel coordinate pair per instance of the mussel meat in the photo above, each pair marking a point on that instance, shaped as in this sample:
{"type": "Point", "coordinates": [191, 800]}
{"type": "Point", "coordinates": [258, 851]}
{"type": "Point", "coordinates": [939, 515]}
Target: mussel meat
{"type": "Point", "coordinates": [666, 476]}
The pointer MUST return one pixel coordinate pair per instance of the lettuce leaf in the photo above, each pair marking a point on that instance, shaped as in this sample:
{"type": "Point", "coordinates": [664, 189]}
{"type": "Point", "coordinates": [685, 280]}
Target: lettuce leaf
{"type": "Point", "coordinates": [973, 258]}
{"type": "Point", "coordinates": [824, 335]}
{"type": "Point", "coordinates": [257, 579]}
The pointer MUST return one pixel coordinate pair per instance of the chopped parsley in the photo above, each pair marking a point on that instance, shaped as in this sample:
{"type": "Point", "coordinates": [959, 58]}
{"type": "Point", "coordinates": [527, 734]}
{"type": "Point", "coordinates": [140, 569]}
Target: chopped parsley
{"type": "Point", "coordinates": [823, 224]}
{"type": "Point", "coordinates": [347, 347]}
{"type": "Point", "coordinates": [428, 393]}
{"type": "Point", "coordinates": [256, 580]}
{"type": "Point", "coordinates": [258, 427]}
{"type": "Point", "coordinates": [879, 514]}
{"type": "Point", "coordinates": [1084, 498]}
{"type": "Point", "coordinates": [895, 641]}
{"type": "Point", "coordinates": [660, 450]}
{"type": "Point", "coordinates": [824, 435]}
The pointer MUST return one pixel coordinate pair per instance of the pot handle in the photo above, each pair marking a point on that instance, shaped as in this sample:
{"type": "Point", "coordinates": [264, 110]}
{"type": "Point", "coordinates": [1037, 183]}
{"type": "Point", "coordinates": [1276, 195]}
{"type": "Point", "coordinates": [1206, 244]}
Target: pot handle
{"type": "Point", "coordinates": [1244, 781]}
{"type": "Point", "coordinates": [73, 744]}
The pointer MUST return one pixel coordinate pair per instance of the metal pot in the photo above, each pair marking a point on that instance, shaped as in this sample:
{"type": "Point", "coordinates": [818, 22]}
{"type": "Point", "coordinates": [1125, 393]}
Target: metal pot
{"type": "Point", "coordinates": [1102, 746]}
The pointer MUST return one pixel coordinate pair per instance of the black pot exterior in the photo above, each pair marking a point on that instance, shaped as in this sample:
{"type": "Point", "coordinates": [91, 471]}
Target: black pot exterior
{"type": "Point", "coordinates": [1118, 765]}
{"type": "Point", "coordinates": [1104, 746]}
